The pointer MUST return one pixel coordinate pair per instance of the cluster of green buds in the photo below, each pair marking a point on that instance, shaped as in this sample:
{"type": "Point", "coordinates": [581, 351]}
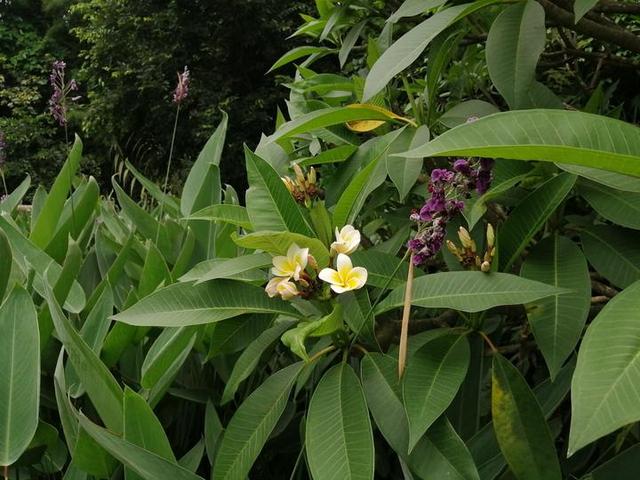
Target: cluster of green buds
{"type": "Point", "coordinates": [467, 254]}
{"type": "Point", "coordinates": [303, 187]}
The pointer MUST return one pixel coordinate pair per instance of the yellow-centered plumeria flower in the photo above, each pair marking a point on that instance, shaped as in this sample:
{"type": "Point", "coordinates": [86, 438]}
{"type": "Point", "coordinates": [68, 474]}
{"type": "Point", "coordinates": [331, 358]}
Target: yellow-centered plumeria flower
{"type": "Point", "coordinates": [347, 240]}
{"type": "Point", "coordinates": [283, 287]}
{"type": "Point", "coordinates": [346, 277]}
{"type": "Point", "coordinates": [291, 265]}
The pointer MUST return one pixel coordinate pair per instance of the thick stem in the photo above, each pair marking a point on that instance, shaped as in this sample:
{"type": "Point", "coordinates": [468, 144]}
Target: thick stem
{"type": "Point", "coordinates": [5, 472]}
{"type": "Point", "coordinates": [404, 331]}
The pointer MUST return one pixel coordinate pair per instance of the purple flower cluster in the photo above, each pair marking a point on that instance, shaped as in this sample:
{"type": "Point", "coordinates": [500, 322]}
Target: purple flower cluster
{"type": "Point", "coordinates": [448, 190]}
{"type": "Point", "coordinates": [182, 88]}
{"type": "Point", "coordinates": [3, 147]}
{"type": "Point", "coordinates": [61, 90]}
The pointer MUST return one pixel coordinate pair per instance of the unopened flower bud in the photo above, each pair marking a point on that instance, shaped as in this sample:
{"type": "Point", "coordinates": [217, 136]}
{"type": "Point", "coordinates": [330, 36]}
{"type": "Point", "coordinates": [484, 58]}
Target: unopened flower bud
{"type": "Point", "coordinates": [485, 267]}
{"type": "Point", "coordinates": [311, 261]}
{"type": "Point", "coordinates": [299, 174]}
{"type": "Point", "coordinates": [465, 238]}
{"type": "Point", "coordinates": [312, 176]}
{"type": "Point", "coordinates": [490, 236]}
{"type": "Point", "coordinates": [452, 248]}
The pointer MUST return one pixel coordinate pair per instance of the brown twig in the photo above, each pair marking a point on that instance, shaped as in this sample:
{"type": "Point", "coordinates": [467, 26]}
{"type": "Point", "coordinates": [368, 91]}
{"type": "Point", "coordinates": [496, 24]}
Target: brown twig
{"type": "Point", "coordinates": [602, 289]}
{"type": "Point", "coordinates": [404, 331]}
{"type": "Point", "coordinates": [599, 299]}
{"type": "Point", "coordinates": [488, 341]}
{"type": "Point", "coordinates": [586, 26]}
{"type": "Point", "coordinates": [617, 7]}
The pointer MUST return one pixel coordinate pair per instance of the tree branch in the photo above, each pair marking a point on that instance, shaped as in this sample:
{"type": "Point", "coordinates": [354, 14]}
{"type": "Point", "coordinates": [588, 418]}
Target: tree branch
{"type": "Point", "coordinates": [617, 7]}
{"type": "Point", "coordinates": [616, 35]}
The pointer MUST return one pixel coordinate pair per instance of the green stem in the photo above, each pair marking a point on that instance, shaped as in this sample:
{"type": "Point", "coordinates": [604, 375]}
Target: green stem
{"type": "Point", "coordinates": [412, 100]}
{"type": "Point", "coordinates": [166, 176]}
{"type": "Point", "coordinates": [73, 210]}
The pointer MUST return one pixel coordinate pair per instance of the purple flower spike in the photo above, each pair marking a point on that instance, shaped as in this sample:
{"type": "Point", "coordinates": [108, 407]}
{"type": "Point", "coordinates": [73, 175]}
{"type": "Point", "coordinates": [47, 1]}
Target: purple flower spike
{"type": "Point", "coordinates": [58, 105]}
{"type": "Point", "coordinates": [462, 166]}
{"type": "Point", "coordinates": [182, 88]}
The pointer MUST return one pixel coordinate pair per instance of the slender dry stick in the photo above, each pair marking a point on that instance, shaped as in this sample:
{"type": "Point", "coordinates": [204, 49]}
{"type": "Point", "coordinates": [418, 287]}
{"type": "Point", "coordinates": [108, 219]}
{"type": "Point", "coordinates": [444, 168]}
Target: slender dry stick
{"type": "Point", "coordinates": [488, 340]}
{"type": "Point", "coordinates": [5, 470]}
{"type": "Point", "coordinates": [166, 176]}
{"type": "Point", "coordinates": [404, 332]}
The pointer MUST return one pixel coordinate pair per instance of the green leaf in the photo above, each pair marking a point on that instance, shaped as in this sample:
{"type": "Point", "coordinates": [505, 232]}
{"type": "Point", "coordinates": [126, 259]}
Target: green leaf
{"type": "Point", "coordinates": [432, 379]}
{"type": "Point", "coordinates": [196, 183]}
{"type": "Point", "coordinates": [514, 44]}
{"type": "Point", "coordinates": [269, 204]}
{"type": "Point", "coordinates": [581, 7]}
{"type": "Point", "coordinates": [365, 182]}
{"type": "Point", "coordinates": [530, 216]}
{"type": "Point", "coordinates": [557, 321]}
{"type": "Point", "coordinates": [170, 345]}
{"type": "Point", "coordinates": [142, 428]}
{"type": "Point", "coordinates": [232, 214]}
{"type": "Point", "coordinates": [411, 8]}
{"type": "Point", "coordinates": [553, 136]}
{"type": "Point", "coordinates": [463, 111]}
{"type": "Point", "coordinates": [253, 422]}
{"type": "Point", "coordinates": [6, 259]}
{"type": "Point", "coordinates": [617, 206]}
{"type": "Point", "coordinates": [614, 252]}
{"type": "Point", "coordinates": [11, 201]}
{"type": "Point", "coordinates": [146, 464]}
{"type": "Point", "coordinates": [277, 243]}
{"type": "Point", "coordinates": [604, 390]}
{"type": "Point", "coordinates": [520, 426]}
{"type": "Point", "coordinates": [155, 271]}
{"type": "Point", "coordinates": [294, 339]}
{"type": "Point", "coordinates": [326, 117]}
{"type": "Point", "coordinates": [102, 388]}
{"type": "Point", "coordinates": [213, 431]}
{"type": "Point", "coordinates": [624, 466]}
{"type": "Point", "coordinates": [334, 155]}
{"type": "Point", "coordinates": [296, 53]}
{"type": "Point", "coordinates": [250, 357]}
{"type": "Point", "coordinates": [20, 378]}
{"type": "Point", "coordinates": [349, 42]}
{"type": "Point", "coordinates": [410, 46]}
{"type": "Point", "coordinates": [29, 255]}
{"type": "Point", "coordinates": [184, 304]}
{"type": "Point", "coordinates": [618, 181]}
{"type": "Point", "coordinates": [469, 291]}
{"type": "Point", "coordinates": [44, 228]}
{"type": "Point", "coordinates": [404, 172]}
{"type": "Point", "coordinates": [384, 270]}
{"type": "Point", "coordinates": [339, 438]}
{"type": "Point", "coordinates": [226, 268]}
{"type": "Point", "coordinates": [169, 202]}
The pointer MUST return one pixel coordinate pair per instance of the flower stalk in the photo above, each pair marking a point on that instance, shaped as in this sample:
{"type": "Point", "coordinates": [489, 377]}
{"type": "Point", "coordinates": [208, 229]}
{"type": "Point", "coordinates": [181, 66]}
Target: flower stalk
{"type": "Point", "coordinates": [406, 312]}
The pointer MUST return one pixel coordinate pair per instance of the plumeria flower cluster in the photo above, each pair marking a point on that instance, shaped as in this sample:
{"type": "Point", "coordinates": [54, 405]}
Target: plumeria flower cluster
{"type": "Point", "coordinates": [303, 187]}
{"type": "Point", "coordinates": [449, 189]}
{"type": "Point", "coordinates": [295, 273]}
{"type": "Point", "coordinates": [467, 254]}
{"type": "Point", "coordinates": [60, 96]}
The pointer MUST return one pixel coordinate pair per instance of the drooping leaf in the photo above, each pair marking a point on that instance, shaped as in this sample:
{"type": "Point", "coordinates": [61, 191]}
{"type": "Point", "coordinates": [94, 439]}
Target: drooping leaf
{"type": "Point", "coordinates": [520, 426]}
{"type": "Point", "coordinates": [250, 358]}
{"type": "Point", "coordinates": [614, 252]}
{"type": "Point", "coordinates": [296, 53]}
{"type": "Point", "coordinates": [469, 291]}
{"type": "Point", "coordinates": [604, 391]}
{"type": "Point", "coordinates": [44, 228]}
{"type": "Point", "coordinates": [557, 321]}
{"type": "Point", "coordinates": [253, 422]}
{"type": "Point", "coordinates": [20, 378]}
{"type": "Point", "coordinates": [338, 438]}
{"type": "Point", "coordinates": [184, 304]}
{"type": "Point", "coordinates": [269, 204]}
{"type": "Point", "coordinates": [146, 464]}
{"type": "Point", "coordinates": [277, 243]}
{"type": "Point", "coordinates": [529, 217]}
{"type": "Point", "coordinates": [515, 42]}
{"type": "Point", "coordinates": [620, 207]}
{"type": "Point", "coordinates": [563, 136]}
{"type": "Point", "coordinates": [295, 338]}
{"type": "Point", "coordinates": [432, 379]}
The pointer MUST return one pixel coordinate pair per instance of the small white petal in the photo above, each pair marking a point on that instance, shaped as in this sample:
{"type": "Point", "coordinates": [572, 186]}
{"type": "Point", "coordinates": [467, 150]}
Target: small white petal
{"type": "Point", "coordinates": [344, 264]}
{"type": "Point", "coordinates": [329, 275]}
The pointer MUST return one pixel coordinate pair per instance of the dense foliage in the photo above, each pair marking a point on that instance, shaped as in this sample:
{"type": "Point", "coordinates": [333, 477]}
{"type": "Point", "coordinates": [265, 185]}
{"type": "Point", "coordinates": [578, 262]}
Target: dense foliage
{"type": "Point", "coordinates": [432, 274]}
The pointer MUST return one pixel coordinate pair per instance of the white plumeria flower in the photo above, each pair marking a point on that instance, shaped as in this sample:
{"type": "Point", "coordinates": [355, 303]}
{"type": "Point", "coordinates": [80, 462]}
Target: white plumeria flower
{"type": "Point", "coordinates": [347, 240]}
{"type": "Point", "coordinates": [346, 277]}
{"type": "Point", "coordinates": [292, 264]}
{"type": "Point", "coordinates": [283, 287]}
